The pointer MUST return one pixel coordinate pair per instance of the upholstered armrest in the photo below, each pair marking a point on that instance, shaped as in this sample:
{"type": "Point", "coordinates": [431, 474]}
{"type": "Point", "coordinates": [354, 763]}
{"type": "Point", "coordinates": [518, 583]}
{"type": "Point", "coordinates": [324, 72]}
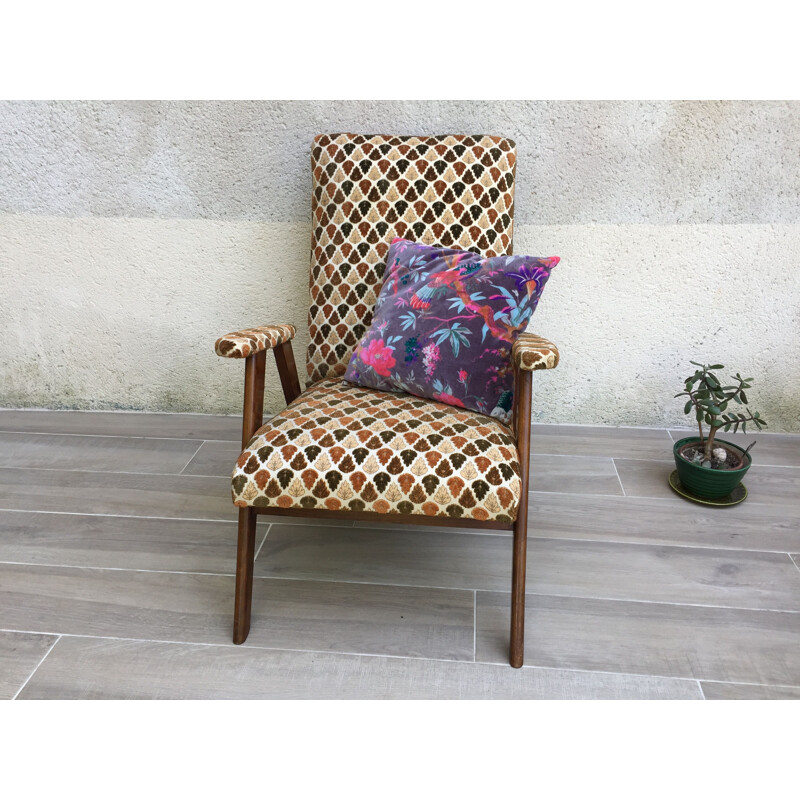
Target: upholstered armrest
{"type": "Point", "coordinates": [241, 344]}
{"type": "Point", "coordinates": [532, 352]}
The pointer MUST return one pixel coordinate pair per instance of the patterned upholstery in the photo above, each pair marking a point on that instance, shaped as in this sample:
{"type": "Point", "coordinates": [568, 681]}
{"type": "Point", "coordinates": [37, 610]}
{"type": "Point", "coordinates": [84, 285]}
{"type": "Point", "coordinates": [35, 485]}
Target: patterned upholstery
{"type": "Point", "coordinates": [343, 447]}
{"type": "Point", "coordinates": [531, 352]}
{"type": "Point", "coordinates": [443, 190]}
{"type": "Point", "coordinates": [244, 343]}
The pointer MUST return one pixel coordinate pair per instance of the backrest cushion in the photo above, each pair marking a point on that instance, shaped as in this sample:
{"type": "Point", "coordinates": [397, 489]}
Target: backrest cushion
{"type": "Point", "coordinates": [445, 323]}
{"type": "Point", "coordinates": [453, 191]}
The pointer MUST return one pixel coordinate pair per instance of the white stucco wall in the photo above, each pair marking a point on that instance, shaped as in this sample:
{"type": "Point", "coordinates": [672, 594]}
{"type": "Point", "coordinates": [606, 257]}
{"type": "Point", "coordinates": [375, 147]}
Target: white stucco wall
{"type": "Point", "coordinates": [133, 234]}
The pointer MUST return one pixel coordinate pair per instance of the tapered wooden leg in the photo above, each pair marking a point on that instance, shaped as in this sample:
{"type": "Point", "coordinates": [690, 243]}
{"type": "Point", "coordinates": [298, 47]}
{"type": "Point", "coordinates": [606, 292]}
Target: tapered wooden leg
{"type": "Point", "coordinates": [253, 413]}
{"type": "Point", "coordinates": [517, 649]}
{"type": "Point", "coordinates": [522, 430]}
{"type": "Point", "coordinates": [244, 574]}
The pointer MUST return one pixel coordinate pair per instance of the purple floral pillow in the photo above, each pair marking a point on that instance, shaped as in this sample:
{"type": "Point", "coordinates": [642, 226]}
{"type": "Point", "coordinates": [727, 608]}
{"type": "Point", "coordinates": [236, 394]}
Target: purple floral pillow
{"type": "Point", "coordinates": [444, 324]}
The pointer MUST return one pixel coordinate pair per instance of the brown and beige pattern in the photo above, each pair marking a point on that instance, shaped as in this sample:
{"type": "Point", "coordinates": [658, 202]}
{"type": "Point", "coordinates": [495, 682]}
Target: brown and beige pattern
{"type": "Point", "coordinates": [343, 447]}
{"type": "Point", "coordinates": [531, 352]}
{"type": "Point", "coordinates": [241, 344]}
{"type": "Point", "coordinates": [454, 191]}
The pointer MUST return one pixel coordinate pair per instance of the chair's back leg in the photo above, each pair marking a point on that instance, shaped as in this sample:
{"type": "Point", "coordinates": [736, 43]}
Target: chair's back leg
{"type": "Point", "coordinates": [522, 429]}
{"type": "Point", "coordinates": [252, 417]}
{"type": "Point", "coordinates": [287, 371]}
{"type": "Point", "coordinates": [244, 574]}
{"type": "Point", "coordinates": [517, 650]}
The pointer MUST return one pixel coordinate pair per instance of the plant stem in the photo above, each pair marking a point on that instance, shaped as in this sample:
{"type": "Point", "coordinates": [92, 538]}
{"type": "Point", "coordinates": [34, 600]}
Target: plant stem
{"type": "Point", "coordinates": [710, 443]}
{"type": "Point", "coordinates": [699, 421]}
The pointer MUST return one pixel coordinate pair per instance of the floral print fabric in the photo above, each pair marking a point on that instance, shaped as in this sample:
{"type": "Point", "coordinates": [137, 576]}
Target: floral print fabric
{"type": "Point", "coordinates": [445, 323]}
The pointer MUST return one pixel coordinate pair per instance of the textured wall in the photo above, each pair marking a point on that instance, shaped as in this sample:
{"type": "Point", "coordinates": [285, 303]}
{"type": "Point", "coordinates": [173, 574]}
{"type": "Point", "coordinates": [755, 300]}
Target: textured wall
{"type": "Point", "coordinates": [133, 234]}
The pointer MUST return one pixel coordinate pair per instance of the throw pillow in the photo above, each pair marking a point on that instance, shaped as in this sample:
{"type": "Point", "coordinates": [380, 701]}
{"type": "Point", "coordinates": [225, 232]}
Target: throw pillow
{"type": "Point", "coordinates": [444, 324]}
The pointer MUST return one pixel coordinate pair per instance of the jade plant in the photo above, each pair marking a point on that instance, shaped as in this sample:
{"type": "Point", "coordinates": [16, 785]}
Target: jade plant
{"type": "Point", "coordinates": [711, 401]}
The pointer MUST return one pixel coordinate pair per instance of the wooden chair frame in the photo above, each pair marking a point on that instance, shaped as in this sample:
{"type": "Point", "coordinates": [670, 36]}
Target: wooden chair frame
{"type": "Point", "coordinates": [252, 420]}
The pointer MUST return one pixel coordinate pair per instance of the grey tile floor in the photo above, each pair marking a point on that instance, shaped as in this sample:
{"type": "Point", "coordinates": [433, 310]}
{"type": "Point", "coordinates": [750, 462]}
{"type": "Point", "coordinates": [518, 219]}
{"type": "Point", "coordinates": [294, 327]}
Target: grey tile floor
{"type": "Point", "coordinates": [117, 553]}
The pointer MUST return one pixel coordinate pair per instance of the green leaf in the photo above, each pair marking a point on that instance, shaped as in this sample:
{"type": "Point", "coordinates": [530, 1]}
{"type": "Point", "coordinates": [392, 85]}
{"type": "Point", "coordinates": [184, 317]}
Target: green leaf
{"type": "Point", "coordinates": [717, 423]}
{"type": "Point", "coordinates": [712, 381]}
{"type": "Point", "coordinates": [756, 415]}
{"type": "Point", "coordinates": [709, 419]}
{"type": "Point", "coordinates": [744, 427]}
{"type": "Point", "coordinates": [727, 427]}
{"type": "Point", "coordinates": [688, 407]}
{"type": "Point", "coordinates": [744, 397]}
{"type": "Point", "coordinates": [696, 364]}
{"type": "Point", "coordinates": [716, 366]}
{"type": "Point", "coordinates": [723, 405]}
{"type": "Point", "coordinates": [714, 409]}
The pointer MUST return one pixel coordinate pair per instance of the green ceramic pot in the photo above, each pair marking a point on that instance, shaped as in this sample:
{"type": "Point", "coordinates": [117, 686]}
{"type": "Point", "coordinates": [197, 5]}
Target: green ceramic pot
{"type": "Point", "coordinates": [712, 484]}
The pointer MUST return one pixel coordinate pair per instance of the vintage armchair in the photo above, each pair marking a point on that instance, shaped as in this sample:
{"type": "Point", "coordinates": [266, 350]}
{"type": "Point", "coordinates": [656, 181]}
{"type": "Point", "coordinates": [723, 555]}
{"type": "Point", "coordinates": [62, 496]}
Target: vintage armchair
{"type": "Point", "coordinates": [340, 450]}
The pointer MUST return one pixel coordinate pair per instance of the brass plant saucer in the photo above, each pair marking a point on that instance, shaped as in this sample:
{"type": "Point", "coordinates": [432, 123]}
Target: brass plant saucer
{"type": "Point", "coordinates": [734, 498]}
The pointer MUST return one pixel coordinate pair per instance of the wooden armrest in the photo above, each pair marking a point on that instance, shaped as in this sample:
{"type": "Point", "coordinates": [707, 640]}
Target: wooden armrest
{"type": "Point", "coordinates": [531, 352]}
{"type": "Point", "coordinates": [244, 343]}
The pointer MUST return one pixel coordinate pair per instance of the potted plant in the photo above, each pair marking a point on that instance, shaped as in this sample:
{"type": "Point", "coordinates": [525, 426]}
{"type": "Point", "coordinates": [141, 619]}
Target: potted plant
{"type": "Point", "coordinates": [708, 467]}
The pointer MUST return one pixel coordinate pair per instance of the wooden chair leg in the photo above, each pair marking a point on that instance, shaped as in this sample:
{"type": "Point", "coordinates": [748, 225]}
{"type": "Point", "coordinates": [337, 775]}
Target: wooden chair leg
{"type": "Point", "coordinates": [253, 412]}
{"type": "Point", "coordinates": [517, 650]}
{"type": "Point", "coordinates": [244, 574]}
{"type": "Point", "coordinates": [522, 430]}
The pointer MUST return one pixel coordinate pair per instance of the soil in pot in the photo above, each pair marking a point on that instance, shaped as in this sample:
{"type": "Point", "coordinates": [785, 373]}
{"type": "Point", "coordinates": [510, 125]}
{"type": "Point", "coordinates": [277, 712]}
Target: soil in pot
{"type": "Point", "coordinates": [731, 459]}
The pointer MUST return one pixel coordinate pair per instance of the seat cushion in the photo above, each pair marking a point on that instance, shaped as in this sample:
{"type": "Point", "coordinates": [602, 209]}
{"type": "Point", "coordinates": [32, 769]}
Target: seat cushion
{"type": "Point", "coordinates": [345, 447]}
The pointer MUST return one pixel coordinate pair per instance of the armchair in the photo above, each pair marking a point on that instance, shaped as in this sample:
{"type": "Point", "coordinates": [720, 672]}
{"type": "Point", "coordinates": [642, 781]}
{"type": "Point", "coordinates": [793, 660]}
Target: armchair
{"type": "Point", "coordinates": [347, 451]}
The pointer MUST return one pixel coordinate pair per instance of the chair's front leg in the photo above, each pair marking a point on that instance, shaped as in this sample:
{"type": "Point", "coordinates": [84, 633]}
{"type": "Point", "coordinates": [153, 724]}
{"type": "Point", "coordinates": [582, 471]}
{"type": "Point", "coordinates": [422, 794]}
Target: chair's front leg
{"type": "Point", "coordinates": [244, 574]}
{"type": "Point", "coordinates": [253, 412]}
{"type": "Point", "coordinates": [522, 429]}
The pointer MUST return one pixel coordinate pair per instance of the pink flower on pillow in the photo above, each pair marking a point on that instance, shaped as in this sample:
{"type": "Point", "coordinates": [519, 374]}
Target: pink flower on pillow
{"type": "Point", "coordinates": [378, 356]}
{"type": "Point", "coordinates": [443, 397]}
{"type": "Point", "coordinates": [430, 355]}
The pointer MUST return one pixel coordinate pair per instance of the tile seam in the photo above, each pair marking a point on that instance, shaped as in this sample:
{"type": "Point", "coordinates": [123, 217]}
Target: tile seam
{"type": "Point", "coordinates": [245, 646]}
{"type": "Point", "coordinates": [35, 669]}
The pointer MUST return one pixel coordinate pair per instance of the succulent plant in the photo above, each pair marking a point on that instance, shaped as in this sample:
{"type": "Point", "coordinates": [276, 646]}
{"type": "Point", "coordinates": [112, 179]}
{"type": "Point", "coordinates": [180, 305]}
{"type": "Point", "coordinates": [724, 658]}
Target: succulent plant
{"type": "Point", "coordinates": [710, 400]}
